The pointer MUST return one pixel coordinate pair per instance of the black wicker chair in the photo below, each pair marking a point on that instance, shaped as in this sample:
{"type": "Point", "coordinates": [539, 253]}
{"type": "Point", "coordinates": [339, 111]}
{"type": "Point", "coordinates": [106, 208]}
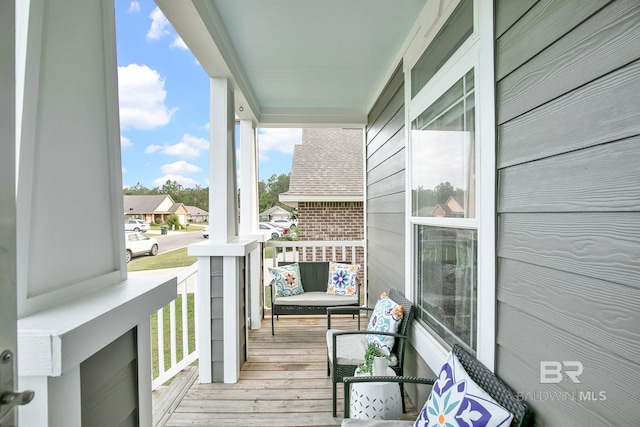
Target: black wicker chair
{"type": "Point", "coordinates": [494, 386]}
{"type": "Point", "coordinates": [313, 276]}
{"type": "Point", "coordinates": [338, 371]}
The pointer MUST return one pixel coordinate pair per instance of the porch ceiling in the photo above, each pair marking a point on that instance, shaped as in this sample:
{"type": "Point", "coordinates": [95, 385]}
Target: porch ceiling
{"type": "Point", "coordinates": [297, 63]}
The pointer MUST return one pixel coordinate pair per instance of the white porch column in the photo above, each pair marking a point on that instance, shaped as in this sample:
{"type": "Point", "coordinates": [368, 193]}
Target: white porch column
{"type": "Point", "coordinates": [222, 335]}
{"type": "Point", "coordinates": [248, 178]}
{"type": "Point", "coordinates": [222, 168]}
{"type": "Point", "coordinates": [249, 219]}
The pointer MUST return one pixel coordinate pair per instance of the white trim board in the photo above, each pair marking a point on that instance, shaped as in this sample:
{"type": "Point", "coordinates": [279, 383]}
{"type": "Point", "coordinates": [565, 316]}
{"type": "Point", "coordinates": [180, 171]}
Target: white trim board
{"type": "Point", "coordinates": [53, 341]}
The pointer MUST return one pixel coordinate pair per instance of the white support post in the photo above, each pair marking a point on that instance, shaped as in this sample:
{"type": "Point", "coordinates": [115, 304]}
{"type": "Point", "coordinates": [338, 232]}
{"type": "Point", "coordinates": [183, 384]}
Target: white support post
{"type": "Point", "coordinates": [65, 407]}
{"type": "Point", "coordinates": [222, 176]}
{"type": "Point", "coordinates": [256, 288]}
{"type": "Point", "coordinates": [143, 332]}
{"type": "Point", "coordinates": [231, 316]}
{"type": "Point", "coordinates": [223, 242]}
{"type": "Point", "coordinates": [203, 320]}
{"type": "Point", "coordinates": [249, 215]}
{"type": "Point", "coordinates": [248, 179]}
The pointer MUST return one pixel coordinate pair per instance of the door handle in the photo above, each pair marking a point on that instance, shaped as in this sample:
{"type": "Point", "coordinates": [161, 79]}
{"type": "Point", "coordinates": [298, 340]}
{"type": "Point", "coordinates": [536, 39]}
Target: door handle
{"type": "Point", "coordinates": [9, 398]}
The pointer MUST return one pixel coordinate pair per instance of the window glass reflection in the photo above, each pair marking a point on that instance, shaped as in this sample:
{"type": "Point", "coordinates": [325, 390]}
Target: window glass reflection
{"type": "Point", "coordinates": [446, 283]}
{"type": "Point", "coordinates": [443, 155]}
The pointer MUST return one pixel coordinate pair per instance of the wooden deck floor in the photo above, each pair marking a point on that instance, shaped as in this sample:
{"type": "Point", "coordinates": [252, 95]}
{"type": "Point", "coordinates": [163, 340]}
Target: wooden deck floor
{"type": "Point", "coordinates": [284, 383]}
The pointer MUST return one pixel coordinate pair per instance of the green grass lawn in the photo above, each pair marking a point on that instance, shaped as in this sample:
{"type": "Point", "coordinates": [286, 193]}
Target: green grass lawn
{"type": "Point", "coordinates": [177, 258]}
{"type": "Point", "coordinates": [167, 331]}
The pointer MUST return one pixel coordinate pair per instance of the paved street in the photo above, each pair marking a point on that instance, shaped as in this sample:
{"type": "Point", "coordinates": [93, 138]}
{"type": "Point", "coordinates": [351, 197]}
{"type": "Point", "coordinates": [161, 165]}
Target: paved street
{"type": "Point", "coordinates": [175, 239]}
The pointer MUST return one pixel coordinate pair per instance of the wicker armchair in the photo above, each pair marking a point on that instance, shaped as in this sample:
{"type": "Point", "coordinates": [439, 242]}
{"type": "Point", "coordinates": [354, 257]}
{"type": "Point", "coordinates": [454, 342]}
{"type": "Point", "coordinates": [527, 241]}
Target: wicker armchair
{"type": "Point", "coordinates": [341, 345]}
{"type": "Point", "coordinates": [494, 386]}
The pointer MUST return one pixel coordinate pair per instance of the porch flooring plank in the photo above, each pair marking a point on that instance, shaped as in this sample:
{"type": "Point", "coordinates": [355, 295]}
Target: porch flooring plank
{"type": "Point", "coordinates": [283, 383]}
{"type": "Point", "coordinates": [166, 400]}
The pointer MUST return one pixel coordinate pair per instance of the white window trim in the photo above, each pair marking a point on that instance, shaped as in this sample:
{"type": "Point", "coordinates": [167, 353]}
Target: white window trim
{"type": "Point", "coordinates": [477, 53]}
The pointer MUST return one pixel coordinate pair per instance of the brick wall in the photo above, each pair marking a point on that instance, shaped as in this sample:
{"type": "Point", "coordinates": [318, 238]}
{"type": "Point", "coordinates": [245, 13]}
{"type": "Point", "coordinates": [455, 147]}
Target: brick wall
{"type": "Point", "coordinates": [333, 221]}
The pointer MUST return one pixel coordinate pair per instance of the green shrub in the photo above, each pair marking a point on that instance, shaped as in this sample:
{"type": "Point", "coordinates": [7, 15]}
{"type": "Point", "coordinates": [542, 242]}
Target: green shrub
{"type": "Point", "coordinates": [173, 222]}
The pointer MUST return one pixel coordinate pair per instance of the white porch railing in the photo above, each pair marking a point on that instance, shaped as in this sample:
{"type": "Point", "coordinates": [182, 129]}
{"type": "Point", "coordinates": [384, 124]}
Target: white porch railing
{"type": "Point", "coordinates": [314, 250]}
{"type": "Point", "coordinates": [187, 279]}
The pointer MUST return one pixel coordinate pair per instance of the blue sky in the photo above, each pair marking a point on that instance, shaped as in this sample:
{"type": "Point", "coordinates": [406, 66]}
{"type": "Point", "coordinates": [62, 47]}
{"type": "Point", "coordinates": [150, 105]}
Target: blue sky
{"type": "Point", "coordinates": [164, 106]}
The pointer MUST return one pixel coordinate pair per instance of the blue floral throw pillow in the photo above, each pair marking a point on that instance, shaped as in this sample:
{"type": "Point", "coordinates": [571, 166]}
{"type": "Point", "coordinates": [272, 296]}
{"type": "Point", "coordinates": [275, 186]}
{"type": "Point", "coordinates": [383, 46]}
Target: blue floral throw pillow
{"type": "Point", "coordinates": [287, 280]}
{"type": "Point", "coordinates": [386, 317]}
{"type": "Point", "coordinates": [456, 400]}
{"type": "Point", "coordinates": [342, 278]}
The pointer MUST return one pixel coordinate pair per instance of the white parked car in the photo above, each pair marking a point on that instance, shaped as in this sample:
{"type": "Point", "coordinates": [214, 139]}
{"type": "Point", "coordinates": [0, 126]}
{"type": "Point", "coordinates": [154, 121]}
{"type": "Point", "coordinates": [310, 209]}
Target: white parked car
{"type": "Point", "coordinates": [138, 244]}
{"type": "Point", "coordinates": [205, 232]}
{"type": "Point", "coordinates": [284, 223]}
{"type": "Point", "coordinates": [276, 233]}
{"type": "Point", "coordinates": [134, 224]}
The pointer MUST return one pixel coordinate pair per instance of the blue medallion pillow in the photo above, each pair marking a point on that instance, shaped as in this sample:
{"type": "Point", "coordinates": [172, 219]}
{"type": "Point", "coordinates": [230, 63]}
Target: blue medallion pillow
{"type": "Point", "coordinates": [386, 317]}
{"type": "Point", "coordinates": [287, 280]}
{"type": "Point", "coordinates": [456, 400]}
{"type": "Point", "coordinates": [342, 278]}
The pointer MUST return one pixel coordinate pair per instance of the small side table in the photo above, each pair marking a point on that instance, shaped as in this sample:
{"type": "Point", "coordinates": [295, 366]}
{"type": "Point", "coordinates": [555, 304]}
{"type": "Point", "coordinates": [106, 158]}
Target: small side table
{"type": "Point", "coordinates": [379, 401]}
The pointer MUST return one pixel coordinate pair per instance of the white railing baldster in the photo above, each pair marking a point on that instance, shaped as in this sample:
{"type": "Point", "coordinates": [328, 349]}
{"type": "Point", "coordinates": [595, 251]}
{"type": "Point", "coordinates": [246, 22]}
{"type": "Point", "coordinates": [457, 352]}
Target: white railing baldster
{"type": "Point", "coordinates": [186, 281]}
{"type": "Point", "coordinates": [301, 250]}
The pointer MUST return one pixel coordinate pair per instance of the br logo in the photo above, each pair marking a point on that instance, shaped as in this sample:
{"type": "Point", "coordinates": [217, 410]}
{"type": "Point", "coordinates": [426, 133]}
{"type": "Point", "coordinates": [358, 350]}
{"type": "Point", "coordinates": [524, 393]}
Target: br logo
{"type": "Point", "coordinates": [553, 371]}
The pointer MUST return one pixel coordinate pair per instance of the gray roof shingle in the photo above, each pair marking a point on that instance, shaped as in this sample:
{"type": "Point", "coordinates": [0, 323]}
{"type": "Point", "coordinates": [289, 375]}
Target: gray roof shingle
{"type": "Point", "coordinates": [328, 162]}
{"type": "Point", "coordinates": [142, 204]}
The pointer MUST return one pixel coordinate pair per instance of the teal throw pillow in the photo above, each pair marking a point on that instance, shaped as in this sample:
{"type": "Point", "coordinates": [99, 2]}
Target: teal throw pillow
{"type": "Point", "coordinates": [287, 280]}
{"type": "Point", "coordinates": [386, 317]}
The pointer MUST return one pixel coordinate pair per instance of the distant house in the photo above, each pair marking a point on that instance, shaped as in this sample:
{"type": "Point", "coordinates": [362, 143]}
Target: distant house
{"type": "Point", "coordinates": [195, 214]}
{"type": "Point", "coordinates": [326, 185]}
{"type": "Point", "coordinates": [153, 208]}
{"type": "Point", "coordinates": [451, 208]}
{"type": "Point", "coordinates": [275, 212]}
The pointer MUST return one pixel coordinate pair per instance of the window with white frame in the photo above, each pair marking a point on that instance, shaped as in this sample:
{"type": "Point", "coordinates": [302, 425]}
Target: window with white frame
{"type": "Point", "coordinates": [444, 185]}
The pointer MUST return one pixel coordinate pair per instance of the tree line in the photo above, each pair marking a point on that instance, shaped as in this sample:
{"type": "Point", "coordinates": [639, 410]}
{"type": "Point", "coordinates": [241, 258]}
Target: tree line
{"type": "Point", "coordinates": [199, 196]}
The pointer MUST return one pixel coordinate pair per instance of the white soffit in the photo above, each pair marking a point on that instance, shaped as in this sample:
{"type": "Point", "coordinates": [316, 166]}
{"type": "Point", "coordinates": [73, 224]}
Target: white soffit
{"type": "Point", "coordinates": [295, 62]}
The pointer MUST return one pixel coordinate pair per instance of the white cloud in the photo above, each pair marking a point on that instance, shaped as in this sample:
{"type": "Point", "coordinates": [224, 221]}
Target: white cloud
{"type": "Point", "coordinates": [189, 146]}
{"type": "Point", "coordinates": [125, 142]}
{"type": "Point", "coordinates": [194, 141]}
{"type": "Point", "coordinates": [442, 155]}
{"type": "Point", "coordinates": [142, 98]}
{"type": "Point", "coordinates": [124, 170]}
{"type": "Point", "coordinates": [134, 6]}
{"type": "Point", "coordinates": [281, 140]}
{"type": "Point", "coordinates": [182, 180]}
{"type": "Point", "coordinates": [182, 149]}
{"type": "Point", "coordinates": [179, 43]}
{"type": "Point", "coordinates": [153, 148]}
{"type": "Point", "coordinates": [180, 167]}
{"type": "Point", "coordinates": [159, 25]}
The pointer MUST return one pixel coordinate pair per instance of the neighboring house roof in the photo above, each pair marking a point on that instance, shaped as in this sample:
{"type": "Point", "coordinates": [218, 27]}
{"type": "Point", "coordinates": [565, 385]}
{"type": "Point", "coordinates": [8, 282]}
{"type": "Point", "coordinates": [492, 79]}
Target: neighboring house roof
{"type": "Point", "coordinates": [275, 210]}
{"type": "Point", "coordinates": [176, 207]}
{"type": "Point", "coordinates": [151, 204]}
{"type": "Point", "coordinates": [195, 211]}
{"type": "Point", "coordinates": [143, 204]}
{"type": "Point", "coordinates": [454, 206]}
{"type": "Point", "coordinates": [328, 166]}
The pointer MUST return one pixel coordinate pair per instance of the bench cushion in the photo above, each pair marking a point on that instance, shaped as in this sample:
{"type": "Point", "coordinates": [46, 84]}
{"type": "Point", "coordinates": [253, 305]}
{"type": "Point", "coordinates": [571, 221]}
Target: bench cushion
{"type": "Point", "coordinates": [321, 299]}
